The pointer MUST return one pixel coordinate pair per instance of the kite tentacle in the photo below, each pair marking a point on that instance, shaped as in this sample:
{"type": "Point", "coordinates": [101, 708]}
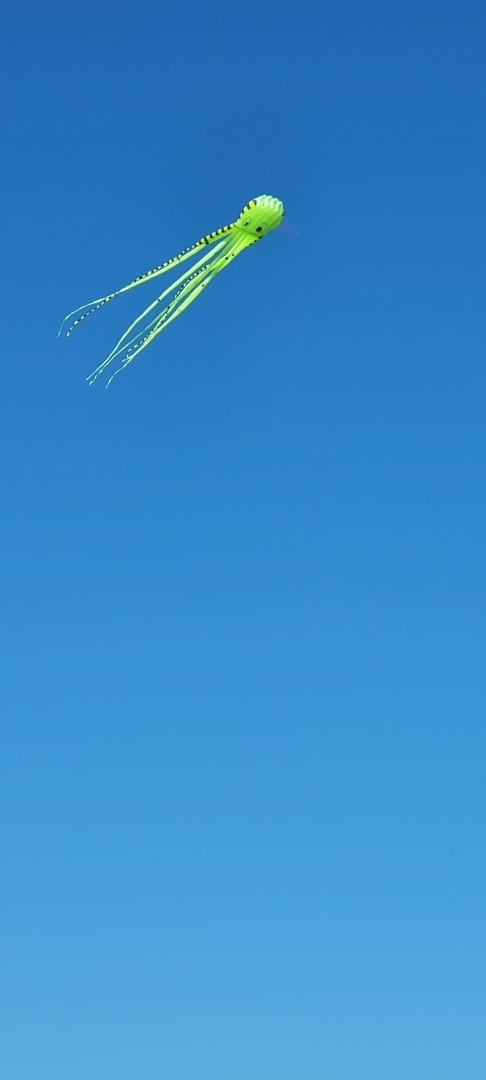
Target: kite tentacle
{"type": "Point", "coordinates": [186, 253]}
{"type": "Point", "coordinates": [186, 296]}
{"type": "Point", "coordinates": [184, 280]}
{"type": "Point", "coordinates": [190, 287]}
{"type": "Point", "coordinates": [161, 323]}
{"type": "Point", "coordinates": [128, 347]}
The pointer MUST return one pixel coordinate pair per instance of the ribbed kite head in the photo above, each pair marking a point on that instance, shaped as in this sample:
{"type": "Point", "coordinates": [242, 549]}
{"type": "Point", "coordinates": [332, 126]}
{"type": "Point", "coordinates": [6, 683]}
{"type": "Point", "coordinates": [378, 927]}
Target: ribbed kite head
{"type": "Point", "coordinates": [260, 215]}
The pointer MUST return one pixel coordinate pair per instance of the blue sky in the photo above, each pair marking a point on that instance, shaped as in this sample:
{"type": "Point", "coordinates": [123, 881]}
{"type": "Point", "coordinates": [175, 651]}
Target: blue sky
{"type": "Point", "coordinates": [243, 683]}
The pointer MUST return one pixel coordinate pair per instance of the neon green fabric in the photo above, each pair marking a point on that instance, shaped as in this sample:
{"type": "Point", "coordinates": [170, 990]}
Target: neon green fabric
{"type": "Point", "coordinates": [257, 218]}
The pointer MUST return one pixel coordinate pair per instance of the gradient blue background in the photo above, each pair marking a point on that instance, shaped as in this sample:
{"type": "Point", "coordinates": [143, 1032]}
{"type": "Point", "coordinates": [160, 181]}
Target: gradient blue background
{"type": "Point", "coordinates": [243, 681]}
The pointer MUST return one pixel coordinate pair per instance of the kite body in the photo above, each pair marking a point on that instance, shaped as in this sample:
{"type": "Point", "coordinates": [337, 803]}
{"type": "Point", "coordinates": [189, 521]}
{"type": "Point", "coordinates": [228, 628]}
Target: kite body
{"type": "Point", "coordinates": [257, 218]}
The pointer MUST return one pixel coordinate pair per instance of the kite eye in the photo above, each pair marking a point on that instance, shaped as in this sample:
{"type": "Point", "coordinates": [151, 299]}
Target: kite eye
{"type": "Point", "coordinates": [258, 228]}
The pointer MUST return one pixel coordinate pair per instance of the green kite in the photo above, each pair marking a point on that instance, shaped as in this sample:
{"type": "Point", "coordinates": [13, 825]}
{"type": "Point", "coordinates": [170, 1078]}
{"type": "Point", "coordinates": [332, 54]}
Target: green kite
{"type": "Point", "coordinates": [257, 218]}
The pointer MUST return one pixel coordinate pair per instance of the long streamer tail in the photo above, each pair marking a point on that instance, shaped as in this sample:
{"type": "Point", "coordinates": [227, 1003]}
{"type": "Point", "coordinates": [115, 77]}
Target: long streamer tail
{"type": "Point", "coordinates": [191, 286]}
{"type": "Point", "coordinates": [186, 253]}
{"type": "Point", "coordinates": [128, 348]}
{"type": "Point", "coordinates": [122, 343]}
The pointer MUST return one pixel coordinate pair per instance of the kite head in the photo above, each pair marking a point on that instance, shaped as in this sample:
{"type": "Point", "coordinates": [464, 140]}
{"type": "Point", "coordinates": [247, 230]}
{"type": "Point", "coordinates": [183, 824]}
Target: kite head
{"type": "Point", "coordinates": [260, 215]}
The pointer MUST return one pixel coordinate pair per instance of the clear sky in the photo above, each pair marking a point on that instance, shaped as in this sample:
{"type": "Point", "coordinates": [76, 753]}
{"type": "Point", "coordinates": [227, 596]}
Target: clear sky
{"type": "Point", "coordinates": [243, 679]}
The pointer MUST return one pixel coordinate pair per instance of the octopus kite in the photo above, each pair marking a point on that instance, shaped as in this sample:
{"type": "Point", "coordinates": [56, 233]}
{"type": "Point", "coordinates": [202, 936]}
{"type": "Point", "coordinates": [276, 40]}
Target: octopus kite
{"type": "Point", "coordinates": [257, 218]}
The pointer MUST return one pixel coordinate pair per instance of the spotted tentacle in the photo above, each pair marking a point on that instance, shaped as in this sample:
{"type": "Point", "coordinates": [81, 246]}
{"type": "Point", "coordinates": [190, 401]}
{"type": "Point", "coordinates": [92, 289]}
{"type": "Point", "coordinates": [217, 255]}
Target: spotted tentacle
{"type": "Point", "coordinates": [125, 342]}
{"type": "Point", "coordinates": [189, 290]}
{"type": "Point", "coordinates": [186, 253]}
